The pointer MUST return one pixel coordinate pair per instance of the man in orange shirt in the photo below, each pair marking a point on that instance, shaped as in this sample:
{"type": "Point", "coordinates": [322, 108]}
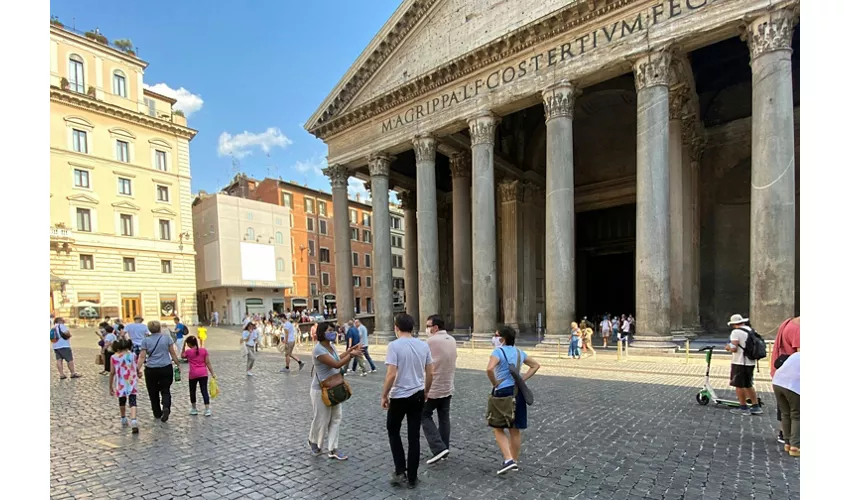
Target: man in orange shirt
{"type": "Point", "coordinates": [787, 343]}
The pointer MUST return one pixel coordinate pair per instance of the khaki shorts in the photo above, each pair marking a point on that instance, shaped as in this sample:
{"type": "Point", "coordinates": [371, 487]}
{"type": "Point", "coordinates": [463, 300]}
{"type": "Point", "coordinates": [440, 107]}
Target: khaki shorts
{"type": "Point", "coordinates": [288, 348]}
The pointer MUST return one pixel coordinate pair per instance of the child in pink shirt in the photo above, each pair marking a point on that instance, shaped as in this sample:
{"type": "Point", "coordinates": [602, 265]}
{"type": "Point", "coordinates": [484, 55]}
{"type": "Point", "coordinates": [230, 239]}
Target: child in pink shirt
{"type": "Point", "coordinates": [200, 369]}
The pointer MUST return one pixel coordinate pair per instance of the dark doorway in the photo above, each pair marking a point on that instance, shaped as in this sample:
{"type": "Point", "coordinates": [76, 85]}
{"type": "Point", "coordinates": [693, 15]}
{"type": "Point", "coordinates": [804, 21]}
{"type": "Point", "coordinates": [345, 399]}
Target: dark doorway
{"type": "Point", "coordinates": [605, 261]}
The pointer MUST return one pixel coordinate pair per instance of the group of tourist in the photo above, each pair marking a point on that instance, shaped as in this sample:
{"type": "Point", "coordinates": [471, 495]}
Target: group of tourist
{"type": "Point", "coordinates": [419, 382]}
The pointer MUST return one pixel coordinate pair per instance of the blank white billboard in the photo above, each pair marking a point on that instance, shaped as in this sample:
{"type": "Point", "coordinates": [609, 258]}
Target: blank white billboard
{"type": "Point", "coordinates": [258, 262]}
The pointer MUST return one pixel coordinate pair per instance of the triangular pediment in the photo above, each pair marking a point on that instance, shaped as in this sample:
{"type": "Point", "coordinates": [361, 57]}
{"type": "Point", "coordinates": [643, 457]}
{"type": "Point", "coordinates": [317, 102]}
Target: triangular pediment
{"type": "Point", "coordinates": [164, 211]}
{"type": "Point", "coordinates": [423, 38]}
{"type": "Point", "coordinates": [126, 205]}
{"type": "Point", "coordinates": [83, 198]}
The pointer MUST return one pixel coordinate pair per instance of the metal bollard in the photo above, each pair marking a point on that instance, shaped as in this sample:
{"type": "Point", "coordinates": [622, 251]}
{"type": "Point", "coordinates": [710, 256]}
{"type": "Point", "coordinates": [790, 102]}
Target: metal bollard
{"type": "Point", "coordinates": [687, 351]}
{"type": "Point", "coordinates": [472, 341]}
{"type": "Point", "coordinates": [619, 350]}
{"type": "Point", "coordinates": [627, 349]}
{"type": "Point", "coordinates": [559, 348]}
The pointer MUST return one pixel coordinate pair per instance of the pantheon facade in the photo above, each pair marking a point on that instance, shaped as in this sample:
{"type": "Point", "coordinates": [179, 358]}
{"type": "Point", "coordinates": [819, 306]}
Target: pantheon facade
{"type": "Point", "coordinates": [560, 159]}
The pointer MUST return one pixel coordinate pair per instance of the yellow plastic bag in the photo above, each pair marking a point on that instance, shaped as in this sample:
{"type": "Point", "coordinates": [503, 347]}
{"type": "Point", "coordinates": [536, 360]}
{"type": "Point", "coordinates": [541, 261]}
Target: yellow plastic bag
{"type": "Point", "coordinates": [213, 388]}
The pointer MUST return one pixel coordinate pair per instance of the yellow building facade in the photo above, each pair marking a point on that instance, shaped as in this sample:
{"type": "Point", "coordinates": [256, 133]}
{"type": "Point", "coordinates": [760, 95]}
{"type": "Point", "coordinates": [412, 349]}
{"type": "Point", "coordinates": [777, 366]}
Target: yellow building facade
{"type": "Point", "coordinates": [120, 197]}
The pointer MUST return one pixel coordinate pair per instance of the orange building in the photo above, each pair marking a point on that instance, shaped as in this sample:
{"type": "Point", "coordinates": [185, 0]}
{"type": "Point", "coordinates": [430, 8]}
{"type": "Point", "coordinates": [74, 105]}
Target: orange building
{"type": "Point", "coordinates": [313, 270]}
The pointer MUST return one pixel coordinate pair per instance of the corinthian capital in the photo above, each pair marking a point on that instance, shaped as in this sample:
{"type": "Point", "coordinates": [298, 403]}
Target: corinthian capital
{"type": "Point", "coordinates": [425, 147]}
{"type": "Point", "coordinates": [559, 100]}
{"type": "Point", "coordinates": [679, 103]}
{"type": "Point", "coordinates": [408, 200]}
{"type": "Point", "coordinates": [509, 190]}
{"type": "Point", "coordinates": [338, 175]}
{"type": "Point", "coordinates": [379, 165]}
{"type": "Point", "coordinates": [460, 165]}
{"type": "Point", "coordinates": [653, 69]}
{"type": "Point", "coordinates": [482, 129]}
{"type": "Point", "coordinates": [772, 31]}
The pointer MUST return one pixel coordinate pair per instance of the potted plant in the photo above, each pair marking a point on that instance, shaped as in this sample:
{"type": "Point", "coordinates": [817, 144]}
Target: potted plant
{"type": "Point", "coordinates": [123, 44]}
{"type": "Point", "coordinates": [92, 92]}
{"type": "Point", "coordinates": [97, 36]}
{"type": "Point", "coordinates": [64, 84]}
{"type": "Point", "coordinates": [178, 112]}
{"type": "Point", "coordinates": [56, 22]}
{"type": "Point", "coordinates": [91, 35]}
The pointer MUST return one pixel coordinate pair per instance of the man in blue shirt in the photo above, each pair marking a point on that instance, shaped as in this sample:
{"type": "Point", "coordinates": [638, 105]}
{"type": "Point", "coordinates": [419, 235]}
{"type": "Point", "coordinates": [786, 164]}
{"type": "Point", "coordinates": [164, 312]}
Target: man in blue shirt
{"type": "Point", "coordinates": [180, 331]}
{"type": "Point", "coordinates": [352, 338]}
{"type": "Point", "coordinates": [364, 342]}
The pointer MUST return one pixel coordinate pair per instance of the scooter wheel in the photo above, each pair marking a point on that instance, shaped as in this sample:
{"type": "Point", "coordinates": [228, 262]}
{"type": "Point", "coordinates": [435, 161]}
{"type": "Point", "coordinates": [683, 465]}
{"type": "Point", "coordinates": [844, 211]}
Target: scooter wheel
{"type": "Point", "coordinates": [702, 399]}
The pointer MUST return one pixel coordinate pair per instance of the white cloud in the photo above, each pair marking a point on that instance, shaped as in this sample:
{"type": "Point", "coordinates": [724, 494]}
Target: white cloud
{"type": "Point", "coordinates": [313, 166]}
{"type": "Point", "coordinates": [187, 102]}
{"type": "Point", "coordinates": [240, 145]}
{"type": "Point", "coordinates": [357, 186]}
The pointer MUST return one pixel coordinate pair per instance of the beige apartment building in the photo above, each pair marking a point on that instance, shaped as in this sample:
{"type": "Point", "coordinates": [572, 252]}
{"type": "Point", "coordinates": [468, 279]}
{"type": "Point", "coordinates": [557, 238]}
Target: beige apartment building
{"type": "Point", "coordinates": [120, 201]}
{"type": "Point", "coordinates": [244, 259]}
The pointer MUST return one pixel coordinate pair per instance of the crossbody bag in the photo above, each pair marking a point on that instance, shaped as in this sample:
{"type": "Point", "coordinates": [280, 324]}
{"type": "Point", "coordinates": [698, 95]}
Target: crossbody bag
{"type": "Point", "coordinates": [335, 389]}
{"type": "Point", "coordinates": [501, 410]}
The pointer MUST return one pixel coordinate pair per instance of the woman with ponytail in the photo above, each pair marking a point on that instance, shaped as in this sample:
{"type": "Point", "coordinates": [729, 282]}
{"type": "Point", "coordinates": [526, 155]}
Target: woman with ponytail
{"type": "Point", "coordinates": [200, 369]}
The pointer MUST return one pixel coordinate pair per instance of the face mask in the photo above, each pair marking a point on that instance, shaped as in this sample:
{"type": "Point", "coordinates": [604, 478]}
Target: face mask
{"type": "Point", "coordinates": [329, 336]}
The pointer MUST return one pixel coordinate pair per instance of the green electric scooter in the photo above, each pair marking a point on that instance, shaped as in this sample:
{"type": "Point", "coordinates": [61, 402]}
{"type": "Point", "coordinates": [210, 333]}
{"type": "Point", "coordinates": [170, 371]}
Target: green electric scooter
{"type": "Point", "coordinates": [708, 394]}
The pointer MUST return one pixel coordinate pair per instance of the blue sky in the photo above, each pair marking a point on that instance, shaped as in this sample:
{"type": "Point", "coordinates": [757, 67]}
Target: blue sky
{"type": "Point", "coordinates": [251, 73]}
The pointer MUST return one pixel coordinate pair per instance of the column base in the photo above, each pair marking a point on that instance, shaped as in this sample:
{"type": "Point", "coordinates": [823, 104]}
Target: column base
{"type": "Point", "coordinates": [382, 338]}
{"type": "Point", "coordinates": [653, 344]}
{"type": "Point", "coordinates": [551, 340]}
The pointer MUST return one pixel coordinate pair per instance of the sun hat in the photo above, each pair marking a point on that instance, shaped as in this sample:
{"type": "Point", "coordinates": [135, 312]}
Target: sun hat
{"type": "Point", "coordinates": [737, 319]}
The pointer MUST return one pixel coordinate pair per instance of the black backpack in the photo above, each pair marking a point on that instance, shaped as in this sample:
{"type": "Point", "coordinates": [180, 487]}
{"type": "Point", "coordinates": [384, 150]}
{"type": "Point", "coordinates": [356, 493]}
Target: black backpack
{"type": "Point", "coordinates": [755, 349]}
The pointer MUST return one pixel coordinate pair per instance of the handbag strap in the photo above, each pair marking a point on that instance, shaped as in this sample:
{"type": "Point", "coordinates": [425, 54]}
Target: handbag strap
{"type": "Point", "coordinates": [153, 350]}
{"type": "Point", "coordinates": [502, 350]}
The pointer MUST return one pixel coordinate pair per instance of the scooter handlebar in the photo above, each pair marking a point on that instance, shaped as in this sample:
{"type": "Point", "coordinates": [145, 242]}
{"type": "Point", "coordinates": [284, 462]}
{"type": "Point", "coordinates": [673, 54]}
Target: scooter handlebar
{"type": "Point", "coordinates": [707, 348]}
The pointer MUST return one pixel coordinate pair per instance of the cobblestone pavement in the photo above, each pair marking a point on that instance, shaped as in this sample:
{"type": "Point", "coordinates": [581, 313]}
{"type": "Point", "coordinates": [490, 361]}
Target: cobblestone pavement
{"type": "Point", "coordinates": [593, 433]}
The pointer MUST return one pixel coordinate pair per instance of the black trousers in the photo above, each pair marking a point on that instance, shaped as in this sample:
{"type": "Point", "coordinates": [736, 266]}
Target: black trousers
{"type": "Point", "coordinates": [437, 440]}
{"type": "Point", "coordinates": [411, 408]}
{"type": "Point", "coordinates": [107, 360]}
{"type": "Point", "coordinates": [158, 381]}
{"type": "Point", "coordinates": [193, 386]}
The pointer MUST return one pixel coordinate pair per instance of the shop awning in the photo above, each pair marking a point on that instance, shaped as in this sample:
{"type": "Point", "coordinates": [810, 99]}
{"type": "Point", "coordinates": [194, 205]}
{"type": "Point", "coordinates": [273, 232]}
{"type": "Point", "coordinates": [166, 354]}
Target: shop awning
{"type": "Point", "coordinates": [299, 302]}
{"type": "Point", "coordinates": [330, 299]}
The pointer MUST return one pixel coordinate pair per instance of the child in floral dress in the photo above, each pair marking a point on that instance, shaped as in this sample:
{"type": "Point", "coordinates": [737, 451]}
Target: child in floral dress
{"type": "Point", "coordinates": [123, 380]}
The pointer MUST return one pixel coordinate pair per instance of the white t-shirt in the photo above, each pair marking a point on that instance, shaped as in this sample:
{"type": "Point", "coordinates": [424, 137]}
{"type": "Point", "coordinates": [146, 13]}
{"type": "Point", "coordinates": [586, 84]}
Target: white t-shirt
{"type": "Point", "coordinates": [626, 325]}
{"type": "Point", "coordinates": [788, 375]}
{"type": "Point", "coordinates": [738, 358]}
{"type": "Point", "coordinates": [364, 335]}
{"type": "Point", "coordinates": [62, 343]}
{"type": "Point", "coordinates": [137, 332]}
{"type": "Point", "coordinates": [251, 337]}
{"type": "Point", "coordinates": [290, 331]}
{"type": "Point", "coordinates": [409, 356]}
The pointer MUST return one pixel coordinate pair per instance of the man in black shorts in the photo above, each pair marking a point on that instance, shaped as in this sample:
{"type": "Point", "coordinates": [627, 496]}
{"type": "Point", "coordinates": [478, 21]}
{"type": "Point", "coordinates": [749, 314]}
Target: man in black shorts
{"type": "Point", "coordinates": [742, 368]}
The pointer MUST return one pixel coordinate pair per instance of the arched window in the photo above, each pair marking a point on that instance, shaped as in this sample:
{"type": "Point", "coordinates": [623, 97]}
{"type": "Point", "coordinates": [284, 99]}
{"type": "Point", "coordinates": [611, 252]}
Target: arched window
{"type": "Point", "coordinates": [119, 83]}
{"type": "Point", "coordinates": [251, 236]}
{"type": "Point", "coordinates": [76, 74]}
{"type": "Point", "coordinates": [280, 265]}
{"type": "Point", "coordinates": [279, 238]}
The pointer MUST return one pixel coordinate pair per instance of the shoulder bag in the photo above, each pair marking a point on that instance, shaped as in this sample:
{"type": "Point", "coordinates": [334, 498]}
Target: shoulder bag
{"type": "Point", "coordinates": [519, 382]}
{"type": "Point", "coordinates": [335, 389]}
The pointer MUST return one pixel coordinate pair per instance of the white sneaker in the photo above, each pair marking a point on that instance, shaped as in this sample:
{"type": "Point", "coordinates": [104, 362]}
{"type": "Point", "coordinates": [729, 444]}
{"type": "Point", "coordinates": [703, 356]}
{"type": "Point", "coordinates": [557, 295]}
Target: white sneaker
{"type": "Point", "coordinates": [364, 374]}
{"type": "Point", "coordinates": [439, 456]}
{"type": "Point", "coordinates": [250, 374]}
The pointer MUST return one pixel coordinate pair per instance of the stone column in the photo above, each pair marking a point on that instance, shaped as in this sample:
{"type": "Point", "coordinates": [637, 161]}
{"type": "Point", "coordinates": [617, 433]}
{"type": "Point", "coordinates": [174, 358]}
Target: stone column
{"type": "Point", "coordinates": [425, 148]}
{"type": "Point", "coordinates": [443, 232]}
{"type": "Point", "coordinates": [510, 196]}
{"type": "Point", "coordinates": [482, 131]}
{"type": "Point", "coordinates": [773, 197]}
{"type": "Point", "coordinates": [652, 252]}
{"type": "Point", "coordinates": [690, 314]}
{"type": "Point", "coordinates": [461, 241]}
{"type": "Point", "coordinates": [338, 175]}
{"type": "Point", "coordinates": [411, 265]}
{"type": "Point", "coordinates": [379, 171]}
{"type": "Point", "coordinates": [677, 211]}
{"type": "Point", "coordinates": [558, 104]}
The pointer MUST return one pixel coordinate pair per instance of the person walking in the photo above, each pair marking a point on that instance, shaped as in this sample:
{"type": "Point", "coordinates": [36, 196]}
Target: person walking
{"type": "Point", "coordinates": [249, 343]}
{"type": "Point", "coordinates": [588, 341]}
{"type": "Point", "coordinates": [60, 335]}
{"type": "Point", "coordinates": [156, 355]}
{"type": "Point", "coordinates": [786, 388]}
{"type": "Point", "coordinates": [410, 372]}
{"type": "Point", "coordinates": [352, 338]}
{"type": "Point", "coordinates": [741, 377]}
{"type": "Point", "coordinates": [324, 428]}
{"type": "Point", "coordinates": [444, 360]}
{"type": "Point", "coordinates": [787, 343]}
{"type": "Point", "coordinates": [606, 331]}
{"type": "Point", "coordinates": [200, 369]}
{"type": "Point", "coordinates": [108, 339]}
{"type": "Point", "coordinates": [123, 379]}
{"type": "Point", "coordinates": [615, 329]}
{"type": "Point", "coordinates": [180, 332]}
{"type": "Point", "coordinates": [137, 331]}
{"type": "Point", "coordinates": [364, 343]}
{"type": "Point", "coordinates": [625, 326]}
{"type": "Point", "coordinates": [215, 319]}
{"type": "Point", "coordinates": [291, 334]}
{"type": "Point", "coordinates": [498, 371]}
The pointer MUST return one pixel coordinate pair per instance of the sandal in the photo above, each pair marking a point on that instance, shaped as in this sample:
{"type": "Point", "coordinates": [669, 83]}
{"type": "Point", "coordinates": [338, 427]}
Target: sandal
{"type": "Point", "coordinates": [63, 377]}
{"type": "Point", "coordinates": [76, 375]}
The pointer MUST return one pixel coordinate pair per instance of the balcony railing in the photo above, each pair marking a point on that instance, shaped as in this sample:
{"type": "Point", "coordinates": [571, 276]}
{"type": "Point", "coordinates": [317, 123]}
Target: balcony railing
{"type": "Point", "coordinates": [61, 233]}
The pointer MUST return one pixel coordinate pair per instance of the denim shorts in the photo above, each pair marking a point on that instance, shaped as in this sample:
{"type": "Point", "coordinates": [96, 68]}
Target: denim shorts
{"type": "Point", "coordinates": [521, 415]}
